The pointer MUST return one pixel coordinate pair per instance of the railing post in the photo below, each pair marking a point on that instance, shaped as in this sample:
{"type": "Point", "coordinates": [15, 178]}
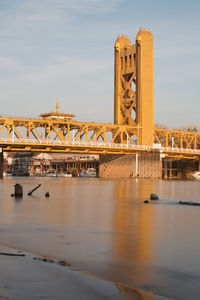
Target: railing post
{"type": "Point", "coordinates": [13, 137]}
{"type": "Point", "coordinates": [1, 163]}
{"type": "Point", "coordinates": [136, 164]}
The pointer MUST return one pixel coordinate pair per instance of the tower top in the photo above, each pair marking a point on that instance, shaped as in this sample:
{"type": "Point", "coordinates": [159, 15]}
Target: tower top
{"type": "Point", "coordinates": [56, 115]}
{"type": "Point", "coordinates": [57, 107]}
{"type": "Point", "coordinates": [122, 42]}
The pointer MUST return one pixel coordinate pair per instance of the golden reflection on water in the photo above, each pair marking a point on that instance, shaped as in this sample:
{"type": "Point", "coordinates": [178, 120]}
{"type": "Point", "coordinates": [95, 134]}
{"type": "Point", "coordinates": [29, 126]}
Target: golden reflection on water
{"type": "Point", "coordinates": [133, 245]}
{"type": "Point", "coordinates": [133, 293]}
{"type": "Point", "coordinates": [105, 227]}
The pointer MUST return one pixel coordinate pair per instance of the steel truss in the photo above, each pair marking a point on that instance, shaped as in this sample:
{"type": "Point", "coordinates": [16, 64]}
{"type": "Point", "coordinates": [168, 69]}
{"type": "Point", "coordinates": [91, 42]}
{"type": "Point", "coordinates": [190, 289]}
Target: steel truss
{"type": "Point", "coordinates": [21, 134]}
{"type": "Point", "coordinates": [46, 135]}
{"type": "Point", "coordinates": [177, 139]}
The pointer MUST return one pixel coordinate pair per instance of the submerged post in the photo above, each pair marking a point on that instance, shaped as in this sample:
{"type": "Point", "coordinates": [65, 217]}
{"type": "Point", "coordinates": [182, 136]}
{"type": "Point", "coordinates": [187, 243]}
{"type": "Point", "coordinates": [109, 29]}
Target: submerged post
{"type": "Point", "coordinates": [18, 190]}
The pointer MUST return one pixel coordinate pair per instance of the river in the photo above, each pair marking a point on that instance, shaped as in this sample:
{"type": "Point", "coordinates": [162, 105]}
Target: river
{"type": "Point", "coordinates": [102, 226]}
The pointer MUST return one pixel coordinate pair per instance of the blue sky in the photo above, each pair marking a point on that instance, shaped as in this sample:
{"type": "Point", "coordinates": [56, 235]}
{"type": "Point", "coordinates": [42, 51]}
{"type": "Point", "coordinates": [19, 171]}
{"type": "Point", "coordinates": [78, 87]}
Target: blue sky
{"type": "Point", "coordinates": [63, 50]}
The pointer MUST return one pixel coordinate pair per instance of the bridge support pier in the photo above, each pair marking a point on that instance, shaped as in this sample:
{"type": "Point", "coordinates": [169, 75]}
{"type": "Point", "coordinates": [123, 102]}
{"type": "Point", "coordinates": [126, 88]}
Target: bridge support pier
{"type": "Point", "coordinates": [1, 163]}
{"type": "Point", "coordinates": [141, 165]}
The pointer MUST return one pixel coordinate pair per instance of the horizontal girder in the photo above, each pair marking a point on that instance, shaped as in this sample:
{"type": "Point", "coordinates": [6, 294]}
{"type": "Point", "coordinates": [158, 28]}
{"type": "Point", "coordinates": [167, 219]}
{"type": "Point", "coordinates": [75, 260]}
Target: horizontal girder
{"type": "Point", "coordinates": [69, 136]}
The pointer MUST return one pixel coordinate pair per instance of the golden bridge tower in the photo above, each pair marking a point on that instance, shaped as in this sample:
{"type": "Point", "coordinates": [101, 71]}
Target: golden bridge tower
{"type": "Point", "coordinates": [133, 90]}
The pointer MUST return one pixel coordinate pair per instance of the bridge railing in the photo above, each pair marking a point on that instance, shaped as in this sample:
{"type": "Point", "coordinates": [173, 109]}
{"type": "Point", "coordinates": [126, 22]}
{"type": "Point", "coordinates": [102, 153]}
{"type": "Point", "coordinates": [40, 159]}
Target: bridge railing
{"type": "Point", "coordinates": [178, 150]}
{"type": "Point", "coordinates": [73, 143]}
{"type": "Point", "coordinates": [97, 144]}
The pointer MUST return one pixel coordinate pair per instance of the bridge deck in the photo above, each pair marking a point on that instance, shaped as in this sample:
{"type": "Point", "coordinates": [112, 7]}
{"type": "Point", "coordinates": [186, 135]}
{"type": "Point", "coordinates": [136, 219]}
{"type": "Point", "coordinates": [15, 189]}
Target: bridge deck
{"type": "Point", "coordinates": [45, 135]}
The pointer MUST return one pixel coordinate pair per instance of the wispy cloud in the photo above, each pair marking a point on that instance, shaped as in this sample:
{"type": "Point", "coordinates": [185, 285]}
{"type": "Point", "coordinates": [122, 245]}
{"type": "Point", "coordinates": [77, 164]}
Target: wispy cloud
{"type": "Point", "coordinates": [81, 6]}
{"type": "Point", "coordinates": [95, 6]}
{"type": "Point", "coordinates": [66, 78]}
{"type": "Point", "coordinates": [183, 44]}
{"type": "Point", "coordinates": [64, 48]}
{"type": "Point", "coordinates": [9, 65]}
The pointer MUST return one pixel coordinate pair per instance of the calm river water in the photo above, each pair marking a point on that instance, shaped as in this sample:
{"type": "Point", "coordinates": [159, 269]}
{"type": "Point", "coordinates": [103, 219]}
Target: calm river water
{"type": "Point", "coordinates": [103, 227]}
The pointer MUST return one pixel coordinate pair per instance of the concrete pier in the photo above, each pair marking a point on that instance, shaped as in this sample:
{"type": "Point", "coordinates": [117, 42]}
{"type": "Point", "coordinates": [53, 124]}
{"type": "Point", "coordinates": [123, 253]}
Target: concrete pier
{"type": "Point", "coordinates": [1, 163]}
{"type": "Point", "coordinates": [141, 165]}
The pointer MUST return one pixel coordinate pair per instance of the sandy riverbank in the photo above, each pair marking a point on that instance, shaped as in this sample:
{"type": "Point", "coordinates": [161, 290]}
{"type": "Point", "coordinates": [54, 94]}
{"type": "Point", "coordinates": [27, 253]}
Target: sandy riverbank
{"type": "Point", "coordinates": [27, 276]}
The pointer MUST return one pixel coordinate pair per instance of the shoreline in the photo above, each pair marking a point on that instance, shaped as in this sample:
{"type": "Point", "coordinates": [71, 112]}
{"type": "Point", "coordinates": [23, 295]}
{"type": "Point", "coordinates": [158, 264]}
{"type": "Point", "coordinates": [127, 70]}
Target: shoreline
{"type": "Point", "coordinates": [22, 267]}
{"type": "Point", "coordinates": [71, 226]}
{"type": "Point", "coordinates": [31, 276]}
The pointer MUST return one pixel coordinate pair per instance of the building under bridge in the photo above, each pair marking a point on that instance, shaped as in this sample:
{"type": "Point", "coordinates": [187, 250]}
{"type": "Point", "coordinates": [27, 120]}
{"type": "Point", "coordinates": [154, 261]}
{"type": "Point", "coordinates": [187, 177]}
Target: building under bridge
{"type": "Point", "coordinates": [34, 164]}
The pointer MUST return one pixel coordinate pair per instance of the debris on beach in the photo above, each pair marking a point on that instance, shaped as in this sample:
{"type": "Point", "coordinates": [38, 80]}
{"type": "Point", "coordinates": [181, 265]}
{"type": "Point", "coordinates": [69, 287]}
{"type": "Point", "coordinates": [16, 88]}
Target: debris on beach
{"type": "Point", "coordinates": [12, 254]}
{"type": "Point", "coordinates": [33, 190]}
{"type": "Point", "coordinates": [63, 263]}
{"type": "Point", "coordinates": [48, 260]}
{"type": "Point", "coordinates": [47, 194]}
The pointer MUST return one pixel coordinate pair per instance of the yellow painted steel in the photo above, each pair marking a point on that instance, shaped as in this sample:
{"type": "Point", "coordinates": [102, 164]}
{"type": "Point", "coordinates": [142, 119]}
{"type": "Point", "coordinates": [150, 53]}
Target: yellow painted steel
{"type": "Point", "coordinates": [177, 139]}
{"type": "Point", "coordinates": [133, 116]}
{"type": "Point", "coordinates": [133, 85]}
{"type": "Point", "coordinates": [144, 87]}
{"type": "Point", "coordinates": [56, 135]}
{"type": "Point", "coordinates": [125, 73]}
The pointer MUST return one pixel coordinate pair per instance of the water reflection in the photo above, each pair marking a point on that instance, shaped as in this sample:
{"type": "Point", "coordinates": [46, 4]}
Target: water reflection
{"type": "Point", "coordinates": [104, 227]}
{"type": "Point", "coordinates": [134, 221]}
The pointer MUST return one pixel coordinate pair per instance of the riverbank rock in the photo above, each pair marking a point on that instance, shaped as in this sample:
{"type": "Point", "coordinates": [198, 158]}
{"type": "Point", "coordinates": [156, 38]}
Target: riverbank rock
{"type": "Point", "coordinates": [154, 197]}
{"type": "Point", "coordinates": [146, 201]}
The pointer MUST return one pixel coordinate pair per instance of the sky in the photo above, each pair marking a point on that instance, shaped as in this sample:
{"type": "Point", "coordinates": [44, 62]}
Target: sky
{"type": "Point", "coordinates": [63, 50]}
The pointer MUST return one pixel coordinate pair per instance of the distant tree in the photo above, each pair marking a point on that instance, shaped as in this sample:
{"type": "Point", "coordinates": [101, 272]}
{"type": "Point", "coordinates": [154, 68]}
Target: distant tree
{"type": "Point", "coordinates": [192, 128]}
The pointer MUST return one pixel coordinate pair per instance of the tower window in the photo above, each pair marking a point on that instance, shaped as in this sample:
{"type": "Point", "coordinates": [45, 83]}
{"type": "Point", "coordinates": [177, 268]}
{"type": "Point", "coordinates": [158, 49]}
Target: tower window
{"type": "Point", "coordinates": [121, 63]}
{"type": "Point", "coordinates": [130, 60]}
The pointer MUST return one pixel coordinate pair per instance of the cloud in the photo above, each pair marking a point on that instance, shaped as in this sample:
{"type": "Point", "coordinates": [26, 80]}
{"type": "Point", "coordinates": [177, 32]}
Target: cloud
{"type": "Point", "coordinates": [39, 17]}
{"type": "Point", "coordinates": [64, 48]}
{"type": "Point", "coordinates": [62, 66]}
{"type": "Point", "coordinates": [176, 47]}
{"type": "Point", "coordinates": [9, 65]}
{"type": "Point", "coordinates": [80, 6]}
{"type": "Point", "coordinates": [95, 6]}
{"type": "Point", "coordinates": [67, 77]}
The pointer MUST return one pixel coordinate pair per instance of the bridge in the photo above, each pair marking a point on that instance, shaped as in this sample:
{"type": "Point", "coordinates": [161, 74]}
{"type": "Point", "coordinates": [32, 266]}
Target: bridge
{"type": "Point", "coordinates": [54, 135]}
{"type": "Point", "coordinates": [132, 134]}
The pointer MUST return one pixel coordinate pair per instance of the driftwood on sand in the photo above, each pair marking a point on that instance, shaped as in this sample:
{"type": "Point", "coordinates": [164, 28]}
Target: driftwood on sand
{"type": "Point", "coordinates": [12, 254]}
